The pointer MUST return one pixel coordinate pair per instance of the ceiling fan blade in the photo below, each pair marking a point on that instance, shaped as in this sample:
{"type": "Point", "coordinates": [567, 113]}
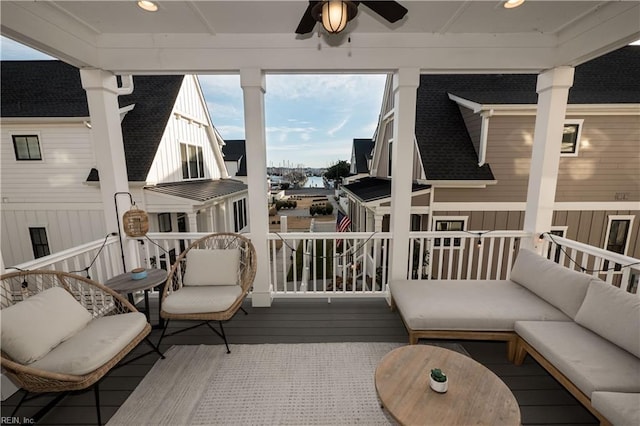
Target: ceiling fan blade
{"type": "Point", "coordinates": [308, 21]}
{"type": "Point", "coordinates": [392, 11]}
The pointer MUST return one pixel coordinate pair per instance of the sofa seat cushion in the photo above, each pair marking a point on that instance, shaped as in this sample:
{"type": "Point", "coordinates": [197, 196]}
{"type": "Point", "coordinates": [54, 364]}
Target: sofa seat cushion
{"type": "Point", "coordinates": [589, 361]}
{"type": "Point", "coordinates": [468, 305]}
{"type": "Point", "coordinates": [34, 326]}
{"type": "Point", "coordinates": [201, 299]}
{"type": "Point", "coordinates": [93, 346]}
{"type": "Point", "coordinates": [562, 287]}
{"type": "Point", "coordinates": [619, 408]}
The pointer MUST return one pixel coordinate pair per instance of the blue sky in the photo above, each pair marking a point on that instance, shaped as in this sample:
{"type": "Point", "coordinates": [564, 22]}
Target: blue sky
{"type": "Point", "coordinates": [310, 119]}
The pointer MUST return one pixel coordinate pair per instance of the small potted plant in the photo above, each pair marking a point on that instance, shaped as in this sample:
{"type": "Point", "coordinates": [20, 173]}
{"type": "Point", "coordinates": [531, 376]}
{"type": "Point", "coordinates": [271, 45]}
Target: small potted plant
{"type": "Point", "coordinates": [438, 382]}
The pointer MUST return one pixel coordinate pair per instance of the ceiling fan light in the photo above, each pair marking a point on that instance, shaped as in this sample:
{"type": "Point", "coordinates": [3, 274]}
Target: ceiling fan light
{"type": "Point", "coordinates": [147, 5]}
{"type": "Point", "coordinates": [510, 4]}
{"type": "Point", "coordinates": [334, 16]}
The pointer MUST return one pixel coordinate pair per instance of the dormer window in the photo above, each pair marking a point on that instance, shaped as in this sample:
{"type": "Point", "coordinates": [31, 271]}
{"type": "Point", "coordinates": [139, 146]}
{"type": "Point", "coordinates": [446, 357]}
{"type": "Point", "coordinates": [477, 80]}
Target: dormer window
{"type": "Point", "coordinates": [27, 147]}
{"type": "Point", "coordinates": [571, 138]}
{"type": "Point", "coordinates": [192, 159]}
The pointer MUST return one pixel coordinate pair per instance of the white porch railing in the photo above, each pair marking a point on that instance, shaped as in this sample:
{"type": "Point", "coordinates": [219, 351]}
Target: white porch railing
{"type": "Point", "coordinates": [617, 269]}
{"type": "Point", "coordinates": [467, 255]}
{"type": "Point", "coordinates": [332, 264]}
{"type": "Point", "coordinates": [328, 264]}
{"type": "Point", "coordinates": [100, 260]}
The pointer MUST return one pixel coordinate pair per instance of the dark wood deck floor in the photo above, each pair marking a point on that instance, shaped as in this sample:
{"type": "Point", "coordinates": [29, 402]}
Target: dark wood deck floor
{"type": "Point", "coordinates": [542, 400]}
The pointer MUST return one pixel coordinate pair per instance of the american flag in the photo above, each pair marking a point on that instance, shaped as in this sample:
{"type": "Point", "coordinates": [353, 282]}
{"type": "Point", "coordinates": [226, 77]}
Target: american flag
{"type": "Point", "coordinates": [343, 222]}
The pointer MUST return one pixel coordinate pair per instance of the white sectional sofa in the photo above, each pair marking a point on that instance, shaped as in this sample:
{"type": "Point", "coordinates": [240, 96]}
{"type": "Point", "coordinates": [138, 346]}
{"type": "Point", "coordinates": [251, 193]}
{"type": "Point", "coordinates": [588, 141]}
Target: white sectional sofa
{"type": "Point", "coordinates": [583, 331]}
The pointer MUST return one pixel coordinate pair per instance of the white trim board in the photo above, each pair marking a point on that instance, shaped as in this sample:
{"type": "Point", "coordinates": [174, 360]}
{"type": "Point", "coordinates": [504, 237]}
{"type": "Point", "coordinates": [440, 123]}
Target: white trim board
{"type": "Point", "coordinates": [521, 206]}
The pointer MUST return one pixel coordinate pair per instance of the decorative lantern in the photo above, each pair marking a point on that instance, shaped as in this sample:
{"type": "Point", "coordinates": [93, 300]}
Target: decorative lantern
{"type": "Point", "coordinates": [135, 222]}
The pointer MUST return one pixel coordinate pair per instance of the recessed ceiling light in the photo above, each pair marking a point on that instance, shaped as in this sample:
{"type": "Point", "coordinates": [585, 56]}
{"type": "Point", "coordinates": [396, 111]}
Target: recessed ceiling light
{"type": "Point", "coordinates": [147, 5]}
{"type": "Point", "coordinates": [510, 4]}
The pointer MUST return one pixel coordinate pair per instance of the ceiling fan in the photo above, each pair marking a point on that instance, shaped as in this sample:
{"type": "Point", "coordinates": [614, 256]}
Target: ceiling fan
{"type": "Point", "coordinates": [334, 14]}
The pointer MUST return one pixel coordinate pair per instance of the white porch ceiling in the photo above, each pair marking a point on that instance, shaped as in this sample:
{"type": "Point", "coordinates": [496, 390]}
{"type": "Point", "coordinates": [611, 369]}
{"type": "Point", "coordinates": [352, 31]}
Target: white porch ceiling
{"type": "Point", "coordinates": [222, 36]}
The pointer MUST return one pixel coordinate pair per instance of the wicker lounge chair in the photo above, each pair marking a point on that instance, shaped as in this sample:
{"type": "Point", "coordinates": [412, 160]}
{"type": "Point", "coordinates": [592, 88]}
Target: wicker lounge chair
{"type": "Point", "coordinates": [64, 332]}
{"type": "Point", "coordinates": [209, 281]}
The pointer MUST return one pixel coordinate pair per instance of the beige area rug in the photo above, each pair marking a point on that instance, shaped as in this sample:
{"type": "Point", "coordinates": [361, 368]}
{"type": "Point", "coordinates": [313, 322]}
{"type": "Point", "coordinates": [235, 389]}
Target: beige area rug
{"type": "Point", "coordinates": [268, 384]}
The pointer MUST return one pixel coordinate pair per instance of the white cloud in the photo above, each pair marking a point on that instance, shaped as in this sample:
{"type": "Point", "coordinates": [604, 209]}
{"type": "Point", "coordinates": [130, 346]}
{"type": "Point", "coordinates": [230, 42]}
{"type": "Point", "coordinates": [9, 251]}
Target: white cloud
{"type": "Point", "coordinates": [12, 50]}
{"type": "Point", "coordinates": [321, 85]}
{"type": "Point", "coordinates": [227, 84]}
{"type": "Point", "coordinates": [224, 110]}
{"type": "Point", "coordinates": [231, 132]}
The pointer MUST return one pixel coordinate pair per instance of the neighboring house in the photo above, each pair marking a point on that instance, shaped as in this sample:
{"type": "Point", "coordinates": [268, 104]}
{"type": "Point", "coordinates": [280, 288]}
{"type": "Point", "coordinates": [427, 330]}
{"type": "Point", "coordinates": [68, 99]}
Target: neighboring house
{"type": "Point", "coordinates": [51, 197]}
{"type": "Point", "coordinates": [361, 156]}
{"type": "Point", "coordinates": [473, 140]}
{"type": "Point", "coordinates": [235, 158]}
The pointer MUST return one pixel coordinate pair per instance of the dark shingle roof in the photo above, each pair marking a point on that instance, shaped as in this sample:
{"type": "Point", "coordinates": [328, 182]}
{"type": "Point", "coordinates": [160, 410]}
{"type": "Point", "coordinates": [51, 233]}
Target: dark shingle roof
{"type": "Point", "coordinates": [200, 190]}
{"type": "Point", "coordinates": [41, 89]}
{"type": "Point", "coordinates": [374, 188]}
{"type": "Point", "coordinates": [362, 151]}
{"type": "Point", "coordinates": [444, 143]}
{"type": "Point", "coordinates": [234, 150]}
{"type": "Point", "coordinates": [54, 89]}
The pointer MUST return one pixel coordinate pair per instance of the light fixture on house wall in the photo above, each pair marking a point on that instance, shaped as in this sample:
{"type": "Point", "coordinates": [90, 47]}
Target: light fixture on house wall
{"type": "Point", "coordinates": [510, 4]}
{"type": "Point", "coordinates": [147, 5]}
{"type": "Point", "coordinates": [335, 14]}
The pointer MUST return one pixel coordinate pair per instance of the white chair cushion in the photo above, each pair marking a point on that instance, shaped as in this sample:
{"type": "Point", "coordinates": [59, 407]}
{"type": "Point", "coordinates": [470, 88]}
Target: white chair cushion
{"type": "Point", "coordinates": [33, 327]}
{"type": "Point", "coordinates": [212, 267]}
{"type": "Point", "coordinates": [563, 288]}
{"type": "Point", "coordinates": [619, 408]}
{"type": "Point", "coordinates": [201, 299]}
{"type": "Point", "coordinates": [613, 314]}
{"type": "Point", "coordinates": [89, 349]}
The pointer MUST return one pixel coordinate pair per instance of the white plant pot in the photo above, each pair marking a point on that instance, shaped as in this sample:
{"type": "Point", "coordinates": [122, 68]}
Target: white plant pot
{"type": "Point", "coordinates": [440, 387]}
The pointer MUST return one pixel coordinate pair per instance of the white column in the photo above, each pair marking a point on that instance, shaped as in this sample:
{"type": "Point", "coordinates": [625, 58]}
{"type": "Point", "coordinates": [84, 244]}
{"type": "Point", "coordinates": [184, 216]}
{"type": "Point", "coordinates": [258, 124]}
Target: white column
{"type": "Point", "coordinates": [192, 218]}
{"type": "Point", "coordinates": [106, 133]}
{"type": "Point", "coordinates": [553, 90]}
{"type": "Point", "coordinates": [405, 85]}
{"type": "Point", "coordinates": [253, 88]}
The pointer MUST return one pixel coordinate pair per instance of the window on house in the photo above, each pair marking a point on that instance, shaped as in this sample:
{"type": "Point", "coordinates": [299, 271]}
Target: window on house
{"type": "Point", "coordinates": [239, 214]}
{"type": "Point", "coordinates": [416, 222]}
{"type": "Point", "coordinates": [39, 242]}
{"type": "Point", "coordinates": [571, 137]}
{"type": "Point", "coordinates": [26, 147]}
{"type": "Point", "coordinates": [164, 222]}
{"type": "Point", "coordinates": [449, 225]}
{"type": "Point", "coordinates": [390, 158]}
{"type": "Point", "coordinates": [192, 159]}
{"type": "Point", "coordinates": [618, 235]}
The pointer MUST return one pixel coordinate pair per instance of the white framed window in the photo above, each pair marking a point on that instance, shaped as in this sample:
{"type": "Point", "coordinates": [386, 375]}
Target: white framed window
{"type": "Point", "coordinates": [164, 222]}
{"type": "Point", "coordinates": [571, 134]}
{"type": "Point", "coordinates": [618, 233]}
{"type": "Point", "coordinates": [39, 241]}
{"type": "Point", "coordinates": [390, 157]}
{"type": "Point", "coordinates": [553, 250]}
{"type": "Point", "coordinates": [27, 147]}
{"type": "Point", "coordinates": [449, 223]}
{"type": "Point", "coordinates": [239, 214]}
{"type": "Point", "coordinates": [192, 158]}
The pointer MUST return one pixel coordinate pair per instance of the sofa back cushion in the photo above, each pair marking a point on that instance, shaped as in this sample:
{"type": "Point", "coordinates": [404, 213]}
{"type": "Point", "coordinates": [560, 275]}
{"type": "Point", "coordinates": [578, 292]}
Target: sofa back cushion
{"type": "Point", "coordinates": [563, 288]}
{"type": "Point", "coordinates": [212, 267]}
{"type": "Point", "coordinates": [613, 314]}
{"type": "Point", "coordinates": [34, 326]}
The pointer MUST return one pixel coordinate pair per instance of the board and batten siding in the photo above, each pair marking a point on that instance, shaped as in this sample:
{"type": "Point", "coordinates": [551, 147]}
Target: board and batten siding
{"type": "Point", "coordinates": [51, 193]}
{"type": "Point", "coordinates": [188, 124]}
{"type": "Point", "coordinates": [605, 169]}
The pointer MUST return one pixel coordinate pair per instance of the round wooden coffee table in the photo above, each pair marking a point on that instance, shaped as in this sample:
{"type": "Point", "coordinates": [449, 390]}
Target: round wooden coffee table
{"type": "Point", "coordinates": [475, 396]}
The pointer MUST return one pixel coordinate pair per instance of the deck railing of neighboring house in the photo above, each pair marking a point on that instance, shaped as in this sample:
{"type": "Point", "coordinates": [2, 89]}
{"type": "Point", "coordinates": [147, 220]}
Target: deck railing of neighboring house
{"type": "Point", "coordinates": [100, 260]}
{"type": "Point", "coordinates": [617, 269]}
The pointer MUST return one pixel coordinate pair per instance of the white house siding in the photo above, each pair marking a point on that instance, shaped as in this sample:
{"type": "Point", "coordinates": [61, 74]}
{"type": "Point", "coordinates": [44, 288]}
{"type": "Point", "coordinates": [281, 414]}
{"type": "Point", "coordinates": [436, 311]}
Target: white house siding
{"type": "Point", "coordinates": [188, 124]}
{"type": "Point", "coordinates": [43, 193]}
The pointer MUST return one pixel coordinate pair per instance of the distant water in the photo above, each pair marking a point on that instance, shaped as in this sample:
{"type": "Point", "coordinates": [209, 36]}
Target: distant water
{"type": "Point", "coordinates": [314, 182]}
